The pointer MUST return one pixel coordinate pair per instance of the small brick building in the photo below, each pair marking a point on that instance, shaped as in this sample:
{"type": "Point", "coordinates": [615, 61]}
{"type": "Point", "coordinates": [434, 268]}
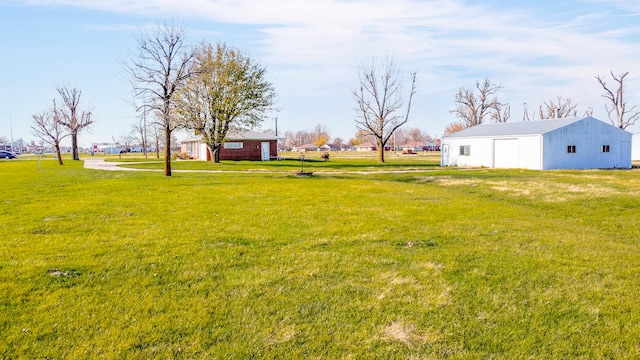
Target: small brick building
{"type": "Point", "coordinates": [245, 145]}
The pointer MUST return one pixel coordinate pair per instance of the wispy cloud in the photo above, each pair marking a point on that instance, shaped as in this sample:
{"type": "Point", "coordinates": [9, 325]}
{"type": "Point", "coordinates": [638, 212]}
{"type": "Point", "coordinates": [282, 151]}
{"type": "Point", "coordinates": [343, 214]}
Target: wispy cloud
{"type": "Point", "coordinates": [537, 51]}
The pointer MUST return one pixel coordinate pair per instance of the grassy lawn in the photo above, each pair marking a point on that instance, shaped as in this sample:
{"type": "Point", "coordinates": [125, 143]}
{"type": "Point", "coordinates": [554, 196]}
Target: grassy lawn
{"type": "Point", "coordinates": [290, 162]}
{"type": "Point", "coordinates": [440, 263]}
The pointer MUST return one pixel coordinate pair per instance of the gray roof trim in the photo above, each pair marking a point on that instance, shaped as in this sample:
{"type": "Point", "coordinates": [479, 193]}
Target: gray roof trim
{"type": "Point", "coordinates": [250, 135]}
{"type": "Point", "coordinates": [242, 135]}
{"type": "Point", "coordinates": [537, 127]}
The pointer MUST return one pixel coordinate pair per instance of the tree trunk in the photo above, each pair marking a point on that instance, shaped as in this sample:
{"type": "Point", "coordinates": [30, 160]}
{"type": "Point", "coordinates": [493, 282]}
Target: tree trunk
{"type": "Point", "coordinates": [214, 149]}
{"type": "Point", "coordinates": [167, 151]}
{"type": "Point", "coordinates": [380, 150]}
{"type": "Point", "coordinates": [57, 146]}
{"type": "Point", "coordinates": [144, 148]}
{"type": "Point", "coordinates": [74, 145]}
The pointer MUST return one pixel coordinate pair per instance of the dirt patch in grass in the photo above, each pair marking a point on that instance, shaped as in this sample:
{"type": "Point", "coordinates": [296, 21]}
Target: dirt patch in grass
{"type": "Point", "coordinates": [406, 334]}
{"type": "Point", "coordinates": [282, 335]}
{"type": "Point", "coordinates": [553, 192]}
{"type": "Point", "coordinates": [548, 191]}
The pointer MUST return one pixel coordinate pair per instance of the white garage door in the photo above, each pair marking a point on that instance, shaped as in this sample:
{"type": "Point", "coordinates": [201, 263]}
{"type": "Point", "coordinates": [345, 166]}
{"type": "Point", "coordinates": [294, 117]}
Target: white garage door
{"type": "Point", "coordinates": [505, 153]}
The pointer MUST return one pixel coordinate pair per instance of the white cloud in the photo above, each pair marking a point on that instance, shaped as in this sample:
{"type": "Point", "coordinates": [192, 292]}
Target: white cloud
{"type": "Point", "coordinates": [312, 47]}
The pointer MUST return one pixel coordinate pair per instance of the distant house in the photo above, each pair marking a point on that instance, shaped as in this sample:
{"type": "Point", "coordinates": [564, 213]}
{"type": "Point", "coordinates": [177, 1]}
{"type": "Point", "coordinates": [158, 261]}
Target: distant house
{"type": "Point", "coordinates": [432, 146]}
{"type": "Point", "coordinates": [635, 147]}
{"type": "Point", "coordinates": [412, 147]}
{"type": "Point", "coordinates": [306, 147]}
{"type": "Point", "coordinates": [243, 145]}
{"type": "Point", "coordinates": [568, 143]}
{"type": "Point", "coordinates": [139, 149]}
{"type": "Point", "coordinates": [367, 146]}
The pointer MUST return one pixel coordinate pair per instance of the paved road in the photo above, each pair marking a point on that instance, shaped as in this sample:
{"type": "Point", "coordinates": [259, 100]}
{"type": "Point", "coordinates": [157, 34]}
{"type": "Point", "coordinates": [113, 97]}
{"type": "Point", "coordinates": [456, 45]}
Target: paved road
{"type": "Point", "coordinates": [100, 164]}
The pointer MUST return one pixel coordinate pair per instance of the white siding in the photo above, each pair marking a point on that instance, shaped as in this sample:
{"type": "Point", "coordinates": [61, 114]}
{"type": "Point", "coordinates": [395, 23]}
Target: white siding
{"type": "Point", "coordinates": [505, 152]}
{"type": "Point", "coordinates": [635, 148]}
{"type": "Point", "coordinates": [588, 137]}
{"type": "Point", "coordinates": [480, 152]}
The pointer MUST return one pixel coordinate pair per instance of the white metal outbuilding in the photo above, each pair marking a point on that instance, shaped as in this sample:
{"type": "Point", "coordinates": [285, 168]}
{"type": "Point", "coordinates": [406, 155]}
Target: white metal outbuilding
{"type": "Point", "coordinates": [567, 143]}
{"type": "Point", "coordinates": [635, 147]}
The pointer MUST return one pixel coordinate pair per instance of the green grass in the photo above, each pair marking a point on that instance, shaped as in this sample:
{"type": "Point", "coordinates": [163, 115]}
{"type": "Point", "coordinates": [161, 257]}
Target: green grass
{"type": "Point", "coordinates": [343, 162]}
{"type": "Point", "coordinates": [443, 263]}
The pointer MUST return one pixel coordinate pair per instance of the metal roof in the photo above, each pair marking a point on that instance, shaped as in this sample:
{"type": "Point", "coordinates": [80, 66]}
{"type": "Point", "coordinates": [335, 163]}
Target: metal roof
{"type": "Point", "coordinates": [241, 135]}
{"type": "Point", "coordinates": [537, 127]}
{"type": "Point", "coordinates": [250, 135]}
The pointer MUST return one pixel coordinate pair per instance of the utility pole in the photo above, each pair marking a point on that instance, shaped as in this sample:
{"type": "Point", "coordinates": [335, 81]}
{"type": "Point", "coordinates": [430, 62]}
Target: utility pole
{"type": "Point", "coordinates": [395, 149]}
{"type": "Point", "coordinates": [144, 132]}
{"type": "Point", "coordinates": [11, 129]}
{"type": "Point", "coordinates": [276, 119]}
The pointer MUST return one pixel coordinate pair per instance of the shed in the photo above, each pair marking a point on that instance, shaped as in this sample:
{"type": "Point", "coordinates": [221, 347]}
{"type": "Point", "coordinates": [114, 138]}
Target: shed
{"type": "Point", "coordinates": [567, 143]}
{"type": "Point", "coordinates": [242, 145]}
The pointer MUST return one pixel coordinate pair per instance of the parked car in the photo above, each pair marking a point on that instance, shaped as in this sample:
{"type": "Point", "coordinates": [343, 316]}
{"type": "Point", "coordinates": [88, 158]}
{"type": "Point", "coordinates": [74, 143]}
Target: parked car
{"type": "Point", "coordinates": [7, 155]}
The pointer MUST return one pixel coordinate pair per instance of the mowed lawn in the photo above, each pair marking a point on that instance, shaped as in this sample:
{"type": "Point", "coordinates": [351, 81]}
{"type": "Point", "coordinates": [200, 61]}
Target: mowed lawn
{"type": "Point", "coordinates": [436, 263]}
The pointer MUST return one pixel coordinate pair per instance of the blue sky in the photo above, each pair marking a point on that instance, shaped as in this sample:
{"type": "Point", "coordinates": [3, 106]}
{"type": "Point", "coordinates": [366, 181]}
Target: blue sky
{"type": "Point", "coordinates": [311, 48]}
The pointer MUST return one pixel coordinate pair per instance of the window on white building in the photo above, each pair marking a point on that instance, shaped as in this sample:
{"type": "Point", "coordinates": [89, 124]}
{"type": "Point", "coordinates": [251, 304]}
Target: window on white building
{"type": "Point", "coordinates": [465, 150]}
{"type": "Point", "coordinates": [605, 148]}
{"type": "Point", "coordinates": [571, 149]}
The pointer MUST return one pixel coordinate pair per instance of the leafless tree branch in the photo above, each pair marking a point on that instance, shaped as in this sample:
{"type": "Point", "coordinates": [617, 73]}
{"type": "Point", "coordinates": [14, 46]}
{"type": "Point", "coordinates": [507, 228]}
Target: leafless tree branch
{"type": "Point", "coordinates": [618, 113]}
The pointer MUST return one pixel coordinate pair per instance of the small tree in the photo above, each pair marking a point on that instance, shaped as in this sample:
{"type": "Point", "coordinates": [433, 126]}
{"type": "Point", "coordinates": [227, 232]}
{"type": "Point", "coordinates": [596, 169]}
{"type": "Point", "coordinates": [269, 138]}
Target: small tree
{"type": "Point", "coordinates": [474, 106]}
{"type": "Point", "coordinates": [454, 127]}
{"type": "Point", "coordinates": [320, 135]}
{"type": "Point", "coordinates": [160, 68]}
{"type": "Point", "coordinates": [379, 101]}
{"type": "Point", "coordinates": [230, 92]}
{"type": "Point", "coordinates": [48, 128]}
{"type": "Point", "coordinates": [71, 117]}
{"type": "Point", "coordinates": [337, 143]}
{"type": "Point", "coordinates": [618, 113]}
{"type": "Point", "coordinates": [139, 131]}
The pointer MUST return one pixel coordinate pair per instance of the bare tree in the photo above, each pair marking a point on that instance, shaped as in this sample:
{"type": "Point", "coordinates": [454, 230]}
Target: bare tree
{"type": "Point", "coordinates": [139, 132]}
{"type": "Point", "coordinates": [71, 117]}
{"type": "Point", "coordinates": [454, 127]}
{"type": "Point", "coordinates": [473, 106]}
{"type": "Point", "coordinates": [300, 137]}
{"type": "Point", "coordinates": [556, 109]}
{"type": "Point", "coordinates": [618, 113]}
{"type": "Point", "coordinates": [48, 128]}
{"type": "Point", "coordinates": [159, 69]}
{"type": "Point", "coordinates": [417, 135]}
{"type": "Point", "coordinates": [502, 115]}
{"type": "Point", "coordinates": [126, 141]}
{"type": "Point", "coordinates": [379, 101]}
{"type": "Point", "coordinates": [156, 137]}
{"type": "Point", "coordinates": [337, 143]}
{"type": "Point", "coordinates": [230, 92]}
